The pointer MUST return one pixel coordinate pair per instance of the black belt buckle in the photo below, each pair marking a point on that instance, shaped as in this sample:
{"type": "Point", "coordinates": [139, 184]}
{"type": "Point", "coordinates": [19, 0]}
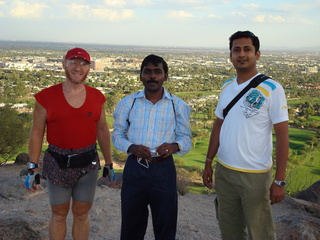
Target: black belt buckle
{"type": "Point", "coordinates": [69, 158]}
{"type": "Point", "coordinates": [151, 160]}
{"type": "Point", "coordinates": [154, 159]}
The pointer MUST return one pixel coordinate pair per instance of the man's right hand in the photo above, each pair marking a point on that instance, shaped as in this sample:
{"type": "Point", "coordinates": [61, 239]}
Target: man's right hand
{"type": "Point", "coordinates": [140, 151]}
{"type": "Point", "coordinates": [207, 176]}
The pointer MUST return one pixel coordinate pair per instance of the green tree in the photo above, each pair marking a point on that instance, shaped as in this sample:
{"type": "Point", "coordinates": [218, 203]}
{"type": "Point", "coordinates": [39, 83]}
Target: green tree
{"type": "Point", "coordinates": [112, 100]}
{"type": "Point", "coordinates": [13, 132]}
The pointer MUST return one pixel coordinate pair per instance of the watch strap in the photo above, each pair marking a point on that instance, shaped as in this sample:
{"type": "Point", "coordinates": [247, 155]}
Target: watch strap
{"type": "Point", "coordinates": [32, 165]}
{"type": "Point", "coordinates": [280, 183]}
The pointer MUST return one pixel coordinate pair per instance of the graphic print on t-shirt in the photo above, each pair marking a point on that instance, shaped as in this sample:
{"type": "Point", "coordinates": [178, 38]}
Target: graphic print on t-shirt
{"type": "Point", "coordinates": [252, 102]}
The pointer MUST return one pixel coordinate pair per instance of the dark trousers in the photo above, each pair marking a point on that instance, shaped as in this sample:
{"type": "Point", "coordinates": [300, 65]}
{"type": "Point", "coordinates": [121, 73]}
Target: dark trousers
{"type": "Point", "coordinates": [154, 186]}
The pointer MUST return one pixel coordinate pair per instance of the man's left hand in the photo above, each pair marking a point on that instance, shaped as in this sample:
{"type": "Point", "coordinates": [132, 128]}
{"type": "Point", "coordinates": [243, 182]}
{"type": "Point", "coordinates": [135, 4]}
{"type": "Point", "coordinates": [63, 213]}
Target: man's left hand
{"type": "Point", "coordinates": [277, 193]}
{"type": "Point", "coordinates": [108, 172]}
{"type": "Point", "coordinates": [30, 179]}
{"type": "Point", "coordinates": [167, 149]}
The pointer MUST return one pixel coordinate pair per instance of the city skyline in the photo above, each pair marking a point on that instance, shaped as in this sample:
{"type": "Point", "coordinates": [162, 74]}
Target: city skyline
{"type": "Point", "coordinates": [281, 24]}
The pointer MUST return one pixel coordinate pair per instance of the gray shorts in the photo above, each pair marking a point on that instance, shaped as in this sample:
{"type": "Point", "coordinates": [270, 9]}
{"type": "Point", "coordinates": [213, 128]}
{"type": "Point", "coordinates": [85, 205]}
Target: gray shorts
{"type": "Point", "coordinates": [83, 190]}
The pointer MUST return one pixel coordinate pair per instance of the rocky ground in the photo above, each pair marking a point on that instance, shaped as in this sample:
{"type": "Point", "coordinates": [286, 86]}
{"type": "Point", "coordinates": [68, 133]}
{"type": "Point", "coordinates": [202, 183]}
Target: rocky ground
{"type": "Point", "coordinates": [25, 215]}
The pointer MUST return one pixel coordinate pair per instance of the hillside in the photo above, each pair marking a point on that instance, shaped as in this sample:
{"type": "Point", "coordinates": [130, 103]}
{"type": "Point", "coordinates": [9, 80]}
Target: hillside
{"type": "Point", "coordinates": [25, 215]}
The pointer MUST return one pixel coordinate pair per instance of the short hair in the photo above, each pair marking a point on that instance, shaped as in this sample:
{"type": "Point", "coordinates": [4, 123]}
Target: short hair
{"type": "Point", "coordinates": [155, 60]}
{"type": "Point", "coordinates": [245, 34]}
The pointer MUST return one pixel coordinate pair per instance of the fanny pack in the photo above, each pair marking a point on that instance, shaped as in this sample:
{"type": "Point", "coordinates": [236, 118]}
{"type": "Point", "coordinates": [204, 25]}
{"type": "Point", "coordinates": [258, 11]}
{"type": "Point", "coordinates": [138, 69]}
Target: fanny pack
{"type": "Point", "coordinates": [75, 160]}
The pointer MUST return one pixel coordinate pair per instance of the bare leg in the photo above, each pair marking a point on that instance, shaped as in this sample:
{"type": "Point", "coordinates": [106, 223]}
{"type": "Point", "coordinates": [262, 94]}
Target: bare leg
{"type": "Point", "coordinates": [81, 224]}
{"type": "Point", "coordinates": [58, 224]}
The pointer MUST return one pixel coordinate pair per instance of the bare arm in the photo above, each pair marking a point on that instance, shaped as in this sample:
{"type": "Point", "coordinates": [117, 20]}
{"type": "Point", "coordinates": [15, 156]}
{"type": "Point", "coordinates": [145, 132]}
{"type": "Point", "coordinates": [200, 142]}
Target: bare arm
{"type": "Point", "coordinates": [103, 136]}
{"type": "Point", "coordinates": [36, 137]}
{"type": "Point", "coordinates": [37, 132]}
{"type": "Point", "coordinates": [282, 150]}
{"type": "Point", "coordinates": [212, 151]}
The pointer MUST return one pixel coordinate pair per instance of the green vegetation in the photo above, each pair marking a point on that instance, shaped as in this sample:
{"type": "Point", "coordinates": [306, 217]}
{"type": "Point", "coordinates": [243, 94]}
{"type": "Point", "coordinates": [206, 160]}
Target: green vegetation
{"type": "Point", "coordinates": [194, 75]}
{"type": "Point", "coordinates": [13, 132]}
{"type": "Point", "coordinates": [301, 173]}
{"type": "Point", "coordinates": [302, 176]}
{"type": "Point", "coordinates": [299, 137]}
{"type": "Point", "coordinates": [110, 121]}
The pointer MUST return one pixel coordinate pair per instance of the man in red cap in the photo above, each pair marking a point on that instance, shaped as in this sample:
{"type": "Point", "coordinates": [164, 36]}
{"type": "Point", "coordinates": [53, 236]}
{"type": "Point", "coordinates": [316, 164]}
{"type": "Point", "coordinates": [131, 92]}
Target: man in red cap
{"type": "Point", "coordinates": [73, 115]}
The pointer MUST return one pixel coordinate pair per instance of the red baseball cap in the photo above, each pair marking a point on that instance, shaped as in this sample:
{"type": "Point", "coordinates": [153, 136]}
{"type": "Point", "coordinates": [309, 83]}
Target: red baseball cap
{"type": "Point", "coordinates": [78, 52]}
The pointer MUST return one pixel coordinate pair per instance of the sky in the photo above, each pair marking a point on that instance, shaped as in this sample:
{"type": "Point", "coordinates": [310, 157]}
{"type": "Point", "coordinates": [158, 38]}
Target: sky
{"type": "Point", "coordinates": [293, 24]}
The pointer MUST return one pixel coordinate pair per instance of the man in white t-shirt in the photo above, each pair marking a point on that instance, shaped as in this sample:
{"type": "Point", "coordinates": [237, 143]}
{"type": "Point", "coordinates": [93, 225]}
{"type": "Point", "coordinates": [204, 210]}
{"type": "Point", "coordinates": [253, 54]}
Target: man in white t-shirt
{"type": "Point", "coordinates": [242, 140]}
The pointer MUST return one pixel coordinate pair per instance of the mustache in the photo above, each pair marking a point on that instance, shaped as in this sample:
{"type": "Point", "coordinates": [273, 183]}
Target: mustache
{"type": "Point", "coordinates": [152, 81]}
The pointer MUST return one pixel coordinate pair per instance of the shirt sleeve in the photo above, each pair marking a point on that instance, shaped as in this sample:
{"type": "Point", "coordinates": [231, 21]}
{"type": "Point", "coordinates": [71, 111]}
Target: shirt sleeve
{"type": "Point", "coordinates": [278, 107]}
{"type": "Point", "coordinates": [183, 132]}
{"type": "Point", "coordinates": [120, 126]}
{"type": "Point", "coordinates": [41, 97]}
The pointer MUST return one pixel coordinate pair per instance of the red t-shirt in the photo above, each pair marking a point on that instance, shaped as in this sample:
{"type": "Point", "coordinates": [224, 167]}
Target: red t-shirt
{"type": "Point", "coordinates": [69, 127]}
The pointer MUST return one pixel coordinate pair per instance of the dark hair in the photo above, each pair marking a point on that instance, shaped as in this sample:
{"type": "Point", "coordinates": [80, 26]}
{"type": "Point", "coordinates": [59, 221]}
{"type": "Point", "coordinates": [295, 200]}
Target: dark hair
{"type": "Point", "coordinates": [155, 60]}
{"type": "Point", "coordinates": [245, 34]}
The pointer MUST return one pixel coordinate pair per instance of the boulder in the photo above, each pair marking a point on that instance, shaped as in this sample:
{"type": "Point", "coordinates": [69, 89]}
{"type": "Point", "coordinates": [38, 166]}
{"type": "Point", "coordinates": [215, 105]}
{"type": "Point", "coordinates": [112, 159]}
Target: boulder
{"type": "Point", "coordinates": [22, 159]}
{"type": "Point", "coordinates": [311, 194]}
{"type": "Point", "coordinates": [18, 228]}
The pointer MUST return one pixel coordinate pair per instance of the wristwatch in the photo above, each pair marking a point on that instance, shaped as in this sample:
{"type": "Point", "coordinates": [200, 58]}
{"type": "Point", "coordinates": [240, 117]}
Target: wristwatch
{"type": "Point", "coordinates": [32, 165]}
{"type": "Point", "coordinates": [280, 183]}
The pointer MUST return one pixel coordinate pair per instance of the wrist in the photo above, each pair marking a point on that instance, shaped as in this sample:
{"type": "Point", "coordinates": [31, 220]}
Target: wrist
{"type": "Point", "coordinates": [178, 147]}
{"type": "Point", "coordinates": [208, 163]}
{"type": "Point", "coordinates": [110, 165]}
{"type": "Point", "coordinates": [32, 165]}
{"type": "Point", "coordinates": [130, 148]}
{"type": "Point", "coordinates": [280, 183]}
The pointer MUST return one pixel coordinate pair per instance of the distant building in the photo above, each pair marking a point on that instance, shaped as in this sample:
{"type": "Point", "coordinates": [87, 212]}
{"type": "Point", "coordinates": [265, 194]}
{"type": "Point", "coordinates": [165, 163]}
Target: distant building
{"type": "Point", "coordinates": [312, 69]}
{"type": "Point", "coordinates": [97, 65]}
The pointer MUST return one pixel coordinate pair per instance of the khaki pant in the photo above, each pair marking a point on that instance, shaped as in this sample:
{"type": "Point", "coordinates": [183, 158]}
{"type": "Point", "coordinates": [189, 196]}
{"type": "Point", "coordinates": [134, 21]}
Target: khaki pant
{"type": "Point", "coordinates": [243, 204]}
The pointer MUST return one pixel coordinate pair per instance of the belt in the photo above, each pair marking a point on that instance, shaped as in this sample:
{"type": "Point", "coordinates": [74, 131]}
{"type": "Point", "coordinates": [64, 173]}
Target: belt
{"type": "Point", "coordinates": [151, 160]}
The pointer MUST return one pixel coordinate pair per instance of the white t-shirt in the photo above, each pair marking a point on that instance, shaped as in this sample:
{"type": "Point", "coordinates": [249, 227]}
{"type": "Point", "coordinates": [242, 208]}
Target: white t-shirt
{"type": "Point", "coordinates": [246, 133]}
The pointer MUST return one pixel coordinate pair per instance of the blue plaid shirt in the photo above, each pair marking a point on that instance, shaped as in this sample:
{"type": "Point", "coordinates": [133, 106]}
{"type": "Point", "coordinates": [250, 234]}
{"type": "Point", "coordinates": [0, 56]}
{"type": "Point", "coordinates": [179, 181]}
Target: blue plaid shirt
{"type": "Point", "coordinates": [150, 124]}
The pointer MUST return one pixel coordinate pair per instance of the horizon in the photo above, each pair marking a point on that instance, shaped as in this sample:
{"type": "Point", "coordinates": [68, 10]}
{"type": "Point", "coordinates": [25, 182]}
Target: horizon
{"type": "Point", "coordinates": [279, 24]}
{"type": "Point", "coordinates": [69, 45]}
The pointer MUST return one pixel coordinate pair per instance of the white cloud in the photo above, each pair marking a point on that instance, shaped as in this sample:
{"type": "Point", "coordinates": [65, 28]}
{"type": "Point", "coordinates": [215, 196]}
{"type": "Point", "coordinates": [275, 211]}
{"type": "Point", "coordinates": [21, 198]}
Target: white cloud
{"type": "Point", "coordinates": [277, 19]}
{"type": "Point", "coordinates": [260, 18]}
{"type": "Point", "coordinates": [234, 13]}
{"type": "Point", "coordinates": [250, 5]}
{"type": "Point", "coordinates": [186, 1]}
{"type": "Point", "coordinates": [84, 12]}
{"type": "Point", "coordinates": [142, 2]}
{"type": "Point", "coordinates": [179, 14]}
{"type": "Point", "coordinates": [203, 8]}
{"type": "Point", "coordinates": [280, 19]}
{"type": "Point", "coordinates": [79, 11]}
{"type": "Point", "coordinates": [112, 15]}
{"type": "Point", "coordinates": [213, 16]}
{"type": "Point", "coordinates": [306, 21]}
{"type": "Point", "coordinates": [115, 3]}
{"type": "Point", "coordinates": [27, 9]}
{"type": "Point", "coordinates": [300, 6]}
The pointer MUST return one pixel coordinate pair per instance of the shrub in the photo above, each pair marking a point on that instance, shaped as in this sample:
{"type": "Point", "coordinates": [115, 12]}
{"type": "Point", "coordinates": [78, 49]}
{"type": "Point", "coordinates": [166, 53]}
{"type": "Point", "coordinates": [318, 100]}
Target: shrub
{"type": "Point", "coordinates": [179, 162]}
{"type": "Point", "coordinates": [197, 169]}
{"type": "Point", "coordinates": [14, 132]}
{"type": "Point", "coordinates": [183, 181]}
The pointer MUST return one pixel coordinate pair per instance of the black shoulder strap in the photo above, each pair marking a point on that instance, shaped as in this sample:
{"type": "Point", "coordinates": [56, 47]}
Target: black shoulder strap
{"type": "Point", "coordinates": [174, 109]}
{"type": "Point", "coordinates": [254, 82]}
{"type": "Point", "coordinates": [134, 100]}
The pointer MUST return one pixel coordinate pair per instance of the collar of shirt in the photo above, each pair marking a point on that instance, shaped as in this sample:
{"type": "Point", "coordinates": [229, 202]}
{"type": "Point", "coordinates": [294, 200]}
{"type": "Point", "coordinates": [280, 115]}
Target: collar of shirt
{"type": "Point", "coordinates": [152, 124]}
{"type": "Point", "coordinates": [142, 94]}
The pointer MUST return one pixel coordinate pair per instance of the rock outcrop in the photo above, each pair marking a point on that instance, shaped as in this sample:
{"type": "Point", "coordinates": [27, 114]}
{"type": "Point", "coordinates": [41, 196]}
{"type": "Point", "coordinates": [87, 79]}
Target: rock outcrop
{"type": "Point", "coordinates": [26, 215]}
